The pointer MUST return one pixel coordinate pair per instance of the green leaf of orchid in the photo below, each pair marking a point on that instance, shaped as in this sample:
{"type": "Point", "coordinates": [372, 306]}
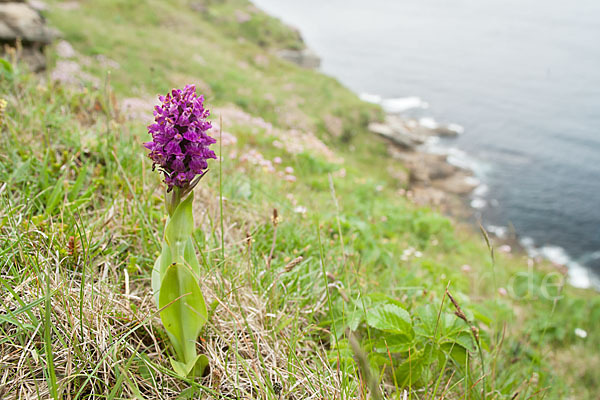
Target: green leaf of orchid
{"type": "Point", "coordinates": [190, 257]}
{"type": "Point", "coordinates": [184, 312]}
{"type": "Point", "coordinates": [200, 365]}
{"type": "Point", "coordinates": [179, 229]}
{"type": "Point", "coordinates": [193, 368]}
{"type": "Point", "coordinates": [160, 267]}
{"type": "Point", "coordinates": [180, 368]}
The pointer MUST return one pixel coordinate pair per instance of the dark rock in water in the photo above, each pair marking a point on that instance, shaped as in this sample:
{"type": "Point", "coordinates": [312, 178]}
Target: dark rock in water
{"type": "Point", "coordinates": [427, 126]}
{"type": "Point", "coordinates": [20, 23]}
{"type": "Point", "coordinates": [433, 180]}
{"type": "Point", "coordinates": [396, 130]}
{"type": "Point", "coordinates": [426, 168]}
{"type": "Point", "coordinates": [305, 58]}
{"type": "Point", "coordinates": [409, 133]}
{"type": "Point", "coordinates": [441, 169]}
{"type": "Point", "coordinates": [446, 130]}
{"type": "Point", "coordinates": [388, 132]}
{"type": "Point", "coordinates": [429, 178]}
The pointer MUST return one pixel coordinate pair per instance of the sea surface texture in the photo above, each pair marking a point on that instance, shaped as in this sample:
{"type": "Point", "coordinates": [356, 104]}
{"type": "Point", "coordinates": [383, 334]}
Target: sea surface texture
{"type": "Point", "coordinates": [521, 77]}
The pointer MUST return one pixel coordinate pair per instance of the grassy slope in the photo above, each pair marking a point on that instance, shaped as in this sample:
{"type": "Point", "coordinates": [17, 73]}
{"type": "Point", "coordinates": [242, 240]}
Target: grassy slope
{"type": "Point", "coordinates": [81, 213]}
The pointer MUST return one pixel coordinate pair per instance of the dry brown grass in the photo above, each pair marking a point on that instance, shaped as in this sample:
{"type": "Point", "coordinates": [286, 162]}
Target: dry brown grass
{"type": "Point", "coordinates": [106, 336]}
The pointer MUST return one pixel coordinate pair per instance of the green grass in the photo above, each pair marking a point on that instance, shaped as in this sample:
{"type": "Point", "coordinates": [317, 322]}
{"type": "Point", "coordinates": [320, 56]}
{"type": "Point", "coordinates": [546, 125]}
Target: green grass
{"type": "Point", "coordinates": [81, 217]}
{"type": "Point", "coordinates": [162, 44]}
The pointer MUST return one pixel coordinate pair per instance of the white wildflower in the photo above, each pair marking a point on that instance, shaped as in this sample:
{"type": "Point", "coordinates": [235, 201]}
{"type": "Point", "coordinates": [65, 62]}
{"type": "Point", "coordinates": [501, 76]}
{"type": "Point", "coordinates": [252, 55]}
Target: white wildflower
{"type": "Point", "coordinates": [580, 333]}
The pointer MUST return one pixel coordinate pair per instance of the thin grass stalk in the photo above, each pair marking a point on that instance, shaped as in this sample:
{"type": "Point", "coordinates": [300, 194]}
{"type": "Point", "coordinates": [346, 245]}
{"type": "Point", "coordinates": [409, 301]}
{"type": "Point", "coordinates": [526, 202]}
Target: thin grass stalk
{"type": "Point", "coordinates": [322, 259]}
{"type": "Point", "coordinates": [221, 189]}
{"type": "Point", "coordinates": [51, 373]}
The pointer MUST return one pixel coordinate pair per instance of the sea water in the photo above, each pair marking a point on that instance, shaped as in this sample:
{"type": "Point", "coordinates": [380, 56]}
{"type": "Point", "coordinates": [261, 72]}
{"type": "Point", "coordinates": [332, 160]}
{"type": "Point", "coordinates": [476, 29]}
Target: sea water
{"type": "Point", "coordinates": [521, 77]}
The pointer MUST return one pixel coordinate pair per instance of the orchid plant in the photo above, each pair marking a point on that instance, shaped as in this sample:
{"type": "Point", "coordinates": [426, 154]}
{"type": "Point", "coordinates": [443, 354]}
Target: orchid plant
{"type": "Point", "coordinates": [180, 150]}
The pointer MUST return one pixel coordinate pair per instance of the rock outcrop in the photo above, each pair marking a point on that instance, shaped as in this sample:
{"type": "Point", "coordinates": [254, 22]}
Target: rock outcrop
{"type": "Point", "coordinates": [24, 28]}
{"type": "Point", "coordinates": [434, 170]}
{"type": "Point", "coordinates": [409, 133]}
{"type": "Point", "coordinates": [305, 58]}
{"type": "Point", "coordinates": [398, 131]}
{"type": "Point", "coordinates": [430, 178]}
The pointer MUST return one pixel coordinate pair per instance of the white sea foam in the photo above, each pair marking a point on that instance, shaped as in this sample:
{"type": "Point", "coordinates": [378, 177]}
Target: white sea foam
{"type": "Point", "coordinates": [370, 98]}
{"type": "Point", "coordinates": [529, 244]}
{"type": "Point", "coordinates": [461, 159]}
{"type": "Point", "coordinates": [499, 231]}
{"type": "Point", "coordinates": [478, 199]}
{"type": "Point", "coordinates": [481, 190]}
{"type": "Point", "coordinates": [431, 142]}
{"type": "Point", "coordinates": [478, 203]}
{"type": "Point", "coordinates": [428, 123]}
{"type": "Point", "coordinates": [457, 157]}
{"type": "Point", "coordinates": [402, 104]}
{"type": "Point", "coordinates": [579, 275]}
{"type": "Point", "coordinates": [395, 105]}
{"type": "Point", "coordinates": [471, 180]}
{"type": "Point", "coordinates": [459, 129]}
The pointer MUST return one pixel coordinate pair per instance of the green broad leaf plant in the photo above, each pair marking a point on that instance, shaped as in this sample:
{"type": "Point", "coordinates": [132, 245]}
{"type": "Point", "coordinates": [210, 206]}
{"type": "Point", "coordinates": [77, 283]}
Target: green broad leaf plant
{"type": "Point", "coordinates": [175, 282]}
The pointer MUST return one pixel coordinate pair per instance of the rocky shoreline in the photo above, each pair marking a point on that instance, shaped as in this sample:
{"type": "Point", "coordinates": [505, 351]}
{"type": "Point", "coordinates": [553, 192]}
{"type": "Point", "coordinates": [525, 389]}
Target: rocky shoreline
{"type": "Point", "coordinates": [430, 178]}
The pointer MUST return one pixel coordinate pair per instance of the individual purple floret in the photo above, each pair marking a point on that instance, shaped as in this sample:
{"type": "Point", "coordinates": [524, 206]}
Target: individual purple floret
{"type": "Point", "coordinates": [179, 145]}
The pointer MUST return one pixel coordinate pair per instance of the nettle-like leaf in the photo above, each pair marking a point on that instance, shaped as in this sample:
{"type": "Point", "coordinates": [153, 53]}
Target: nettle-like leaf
{"type": "Point", "coordinates": [456, 351]}
{"type": "Point", "coordinates": [410, 369]}
{"type": "Point", "coordinates": [378, 299]}
{"type": "Point", "coordinates": [392, 319]}
{"type": "Point", "coordinates": [184, 314]}
{"type": "Point", "coordinates": [393, 344]}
